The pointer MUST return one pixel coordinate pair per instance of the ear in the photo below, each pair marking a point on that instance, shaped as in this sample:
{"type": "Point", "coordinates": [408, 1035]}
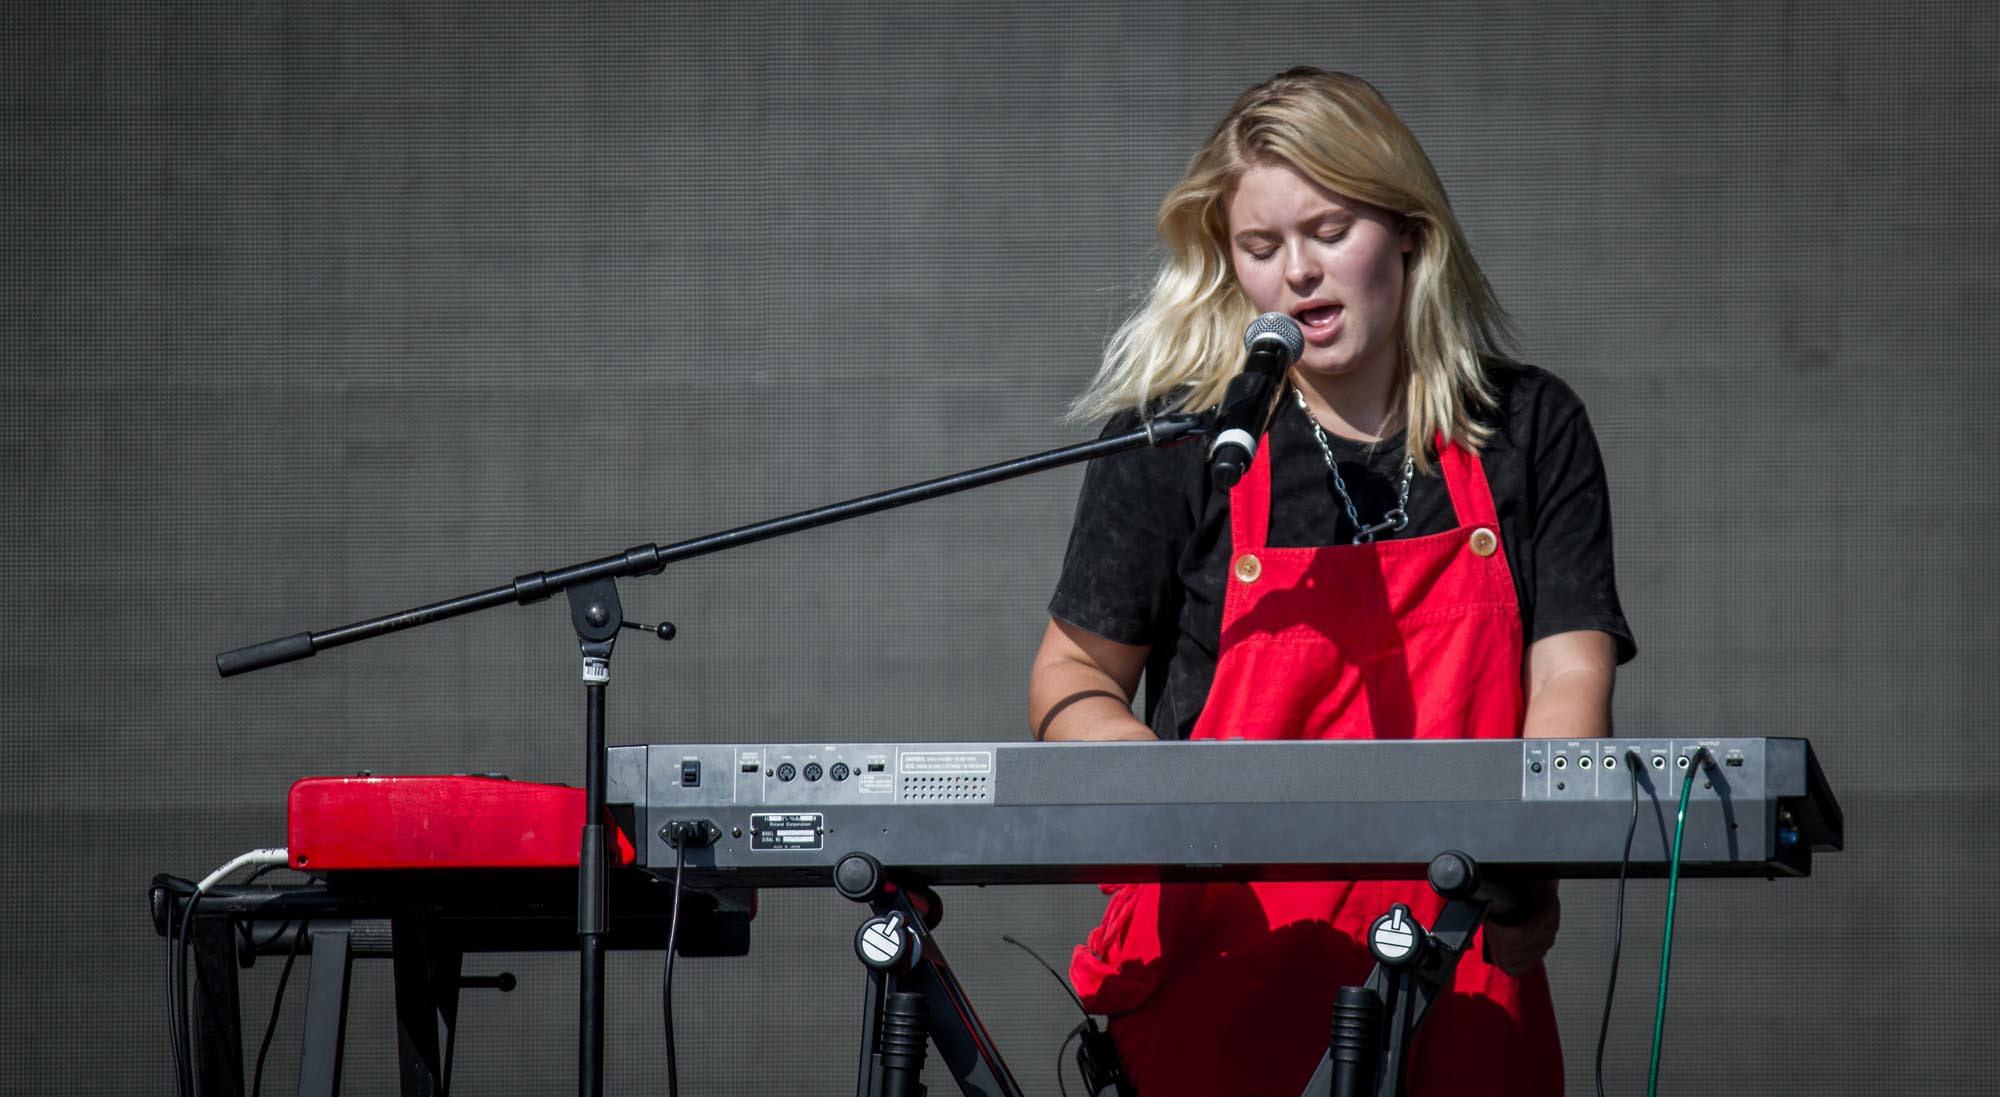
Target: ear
{"type": "Point", "coordinates": [1407, 238]}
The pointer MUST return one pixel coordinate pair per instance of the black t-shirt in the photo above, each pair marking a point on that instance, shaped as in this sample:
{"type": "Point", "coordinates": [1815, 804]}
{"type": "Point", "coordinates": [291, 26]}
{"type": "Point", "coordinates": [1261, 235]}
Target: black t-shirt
{"type": "Point", "coordinates": [1149, 554]}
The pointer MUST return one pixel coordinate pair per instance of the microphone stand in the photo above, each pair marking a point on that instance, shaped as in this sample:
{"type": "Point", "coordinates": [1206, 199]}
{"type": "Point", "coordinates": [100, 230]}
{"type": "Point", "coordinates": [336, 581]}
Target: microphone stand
{"type": "Point", "coordinates": [597, 616]}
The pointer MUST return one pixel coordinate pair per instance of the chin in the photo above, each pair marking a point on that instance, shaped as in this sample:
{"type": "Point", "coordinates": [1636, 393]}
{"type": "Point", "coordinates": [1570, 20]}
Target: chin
{"type": "Point", "coordinates": [1340, 361]}
{"type": "Point", "coordinates": [1326, 366]}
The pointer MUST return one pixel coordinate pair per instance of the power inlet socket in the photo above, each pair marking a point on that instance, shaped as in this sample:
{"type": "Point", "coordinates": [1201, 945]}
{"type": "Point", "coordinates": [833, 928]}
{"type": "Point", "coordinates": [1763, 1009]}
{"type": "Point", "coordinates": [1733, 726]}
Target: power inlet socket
{"type": "Point", "coordinates": [690, 833]}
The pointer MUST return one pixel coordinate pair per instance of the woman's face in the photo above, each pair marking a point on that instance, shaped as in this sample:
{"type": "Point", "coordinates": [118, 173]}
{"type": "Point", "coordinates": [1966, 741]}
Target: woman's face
{"type": "Point", "coordinates": [1332, 264]}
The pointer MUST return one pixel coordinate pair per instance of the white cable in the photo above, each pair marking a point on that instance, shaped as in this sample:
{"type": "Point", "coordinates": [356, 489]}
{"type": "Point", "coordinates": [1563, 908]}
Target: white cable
{"type": "Point", "coordinates": [186, 1076]}
{"type": "Point", "coordinates": [269, 855]}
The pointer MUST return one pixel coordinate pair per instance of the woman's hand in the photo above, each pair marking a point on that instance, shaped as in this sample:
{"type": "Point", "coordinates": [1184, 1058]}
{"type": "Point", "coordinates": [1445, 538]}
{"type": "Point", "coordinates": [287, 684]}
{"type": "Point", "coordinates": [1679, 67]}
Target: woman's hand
{"type": "Point", "coordinates": [1569, 680]}
{"type": "Point", "coordinates": [1517, 947]}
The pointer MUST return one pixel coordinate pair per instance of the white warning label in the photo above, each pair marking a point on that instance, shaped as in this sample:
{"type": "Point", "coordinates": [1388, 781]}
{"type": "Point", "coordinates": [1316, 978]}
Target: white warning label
{"type": "Point", "coordinates": [946, 761]}
{"type": "Point", "coordinates": [787, 830]}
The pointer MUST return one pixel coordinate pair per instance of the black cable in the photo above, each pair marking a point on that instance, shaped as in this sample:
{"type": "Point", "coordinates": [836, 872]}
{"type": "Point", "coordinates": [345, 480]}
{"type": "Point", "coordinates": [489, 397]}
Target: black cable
{"type": "Point", "coordinates": [1077, 1033]}
{"type": "Point", "coordinates": [277, 1003]}
{"type": "Point", "coordinates": [1618, 920]}
{"type": "Point", "coordinates": [1060, 981]}
{"type": "Point", "coordinates": [259, 871]}
{"type": "Point", "coordinates": [1062, 1049]}
{"type": "Point", "coordinates": [180, 995]}
{"type": "Point", "coordinates": [667, 979]}
{"type": "Point", "coordinates": [243, 930]}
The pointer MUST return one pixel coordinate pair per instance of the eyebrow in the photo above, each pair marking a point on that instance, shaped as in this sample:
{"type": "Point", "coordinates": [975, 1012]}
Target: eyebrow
{"type": "Point", "coordinates": [1339, 214]}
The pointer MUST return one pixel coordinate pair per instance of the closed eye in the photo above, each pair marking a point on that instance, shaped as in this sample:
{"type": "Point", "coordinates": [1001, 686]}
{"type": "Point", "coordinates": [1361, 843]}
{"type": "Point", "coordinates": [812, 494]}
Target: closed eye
{"type": "Point", "coordinates": [1258, 248]}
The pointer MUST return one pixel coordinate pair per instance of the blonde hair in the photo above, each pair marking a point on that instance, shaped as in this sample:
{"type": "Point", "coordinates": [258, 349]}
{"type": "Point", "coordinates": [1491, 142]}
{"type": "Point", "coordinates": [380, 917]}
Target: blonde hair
{"type": "Point", "coordinates": [1185, 343]}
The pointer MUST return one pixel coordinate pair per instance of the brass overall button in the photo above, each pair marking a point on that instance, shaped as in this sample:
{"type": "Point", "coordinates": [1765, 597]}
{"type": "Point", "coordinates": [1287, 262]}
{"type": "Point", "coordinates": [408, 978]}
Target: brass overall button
{"type": "Point", "coordinates": [1483, 542]}
{"type": "Point", "coordinates": [1248, 569]}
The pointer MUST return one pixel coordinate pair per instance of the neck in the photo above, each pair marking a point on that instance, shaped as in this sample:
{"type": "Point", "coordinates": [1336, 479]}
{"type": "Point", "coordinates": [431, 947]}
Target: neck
{"type": "Point", "coordinates": [1365, 407]}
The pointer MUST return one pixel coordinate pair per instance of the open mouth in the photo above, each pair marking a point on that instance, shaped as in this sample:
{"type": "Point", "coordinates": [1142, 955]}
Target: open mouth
{"type": "Point", "coordinates": [1318, 317]}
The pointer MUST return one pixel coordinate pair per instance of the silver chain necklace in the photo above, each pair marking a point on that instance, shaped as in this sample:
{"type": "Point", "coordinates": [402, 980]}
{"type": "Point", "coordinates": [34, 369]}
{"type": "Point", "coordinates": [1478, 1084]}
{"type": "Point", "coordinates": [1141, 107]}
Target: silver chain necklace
{"type": "Point", "coordinates": [1392, 522]}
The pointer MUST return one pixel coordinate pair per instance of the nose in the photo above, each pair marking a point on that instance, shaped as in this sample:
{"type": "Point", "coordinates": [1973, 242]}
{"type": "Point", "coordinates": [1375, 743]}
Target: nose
{"type": "Point", "coordinates": [1301, 273]}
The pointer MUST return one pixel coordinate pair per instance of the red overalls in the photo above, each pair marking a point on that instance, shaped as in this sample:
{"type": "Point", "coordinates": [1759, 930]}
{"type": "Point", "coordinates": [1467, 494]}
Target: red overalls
{"type": "Point", "coordinates": [1227, 989]}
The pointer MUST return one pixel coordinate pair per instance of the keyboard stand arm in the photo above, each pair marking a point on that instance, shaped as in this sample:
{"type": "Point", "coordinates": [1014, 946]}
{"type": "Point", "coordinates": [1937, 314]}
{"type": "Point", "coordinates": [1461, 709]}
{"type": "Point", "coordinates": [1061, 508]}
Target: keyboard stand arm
{"type": "Point", "coordinates": [903, 958]}
{"type": "Point", "coordinates": [1373, 1025]}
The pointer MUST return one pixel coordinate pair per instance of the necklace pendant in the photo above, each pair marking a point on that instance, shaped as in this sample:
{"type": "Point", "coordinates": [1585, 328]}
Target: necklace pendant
{"type": "Point", "coordinates": [1367, 534]}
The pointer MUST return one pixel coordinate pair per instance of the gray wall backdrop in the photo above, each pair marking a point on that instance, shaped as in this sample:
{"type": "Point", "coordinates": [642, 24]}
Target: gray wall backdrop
{"type": "Point", "coordinates": [315, 311]}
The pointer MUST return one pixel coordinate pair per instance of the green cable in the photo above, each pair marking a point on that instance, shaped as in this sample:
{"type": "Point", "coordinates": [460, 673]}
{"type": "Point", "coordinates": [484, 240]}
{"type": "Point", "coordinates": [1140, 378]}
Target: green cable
{"type": "Point", "coordinates": [1667, 943]}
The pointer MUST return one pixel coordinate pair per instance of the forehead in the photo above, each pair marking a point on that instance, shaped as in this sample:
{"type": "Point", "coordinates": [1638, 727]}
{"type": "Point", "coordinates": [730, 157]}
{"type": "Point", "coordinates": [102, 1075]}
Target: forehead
{"type": "Point", "coordinates": [1274, 192]}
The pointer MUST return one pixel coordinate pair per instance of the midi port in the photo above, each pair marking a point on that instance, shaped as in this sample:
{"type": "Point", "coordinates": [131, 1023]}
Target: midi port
{"type": "Point", "coordinates": [787, 771]}
{"type": "Point", "coordinates": [813, 772]}
{"type": "Point", "coordinates": [838, 771]}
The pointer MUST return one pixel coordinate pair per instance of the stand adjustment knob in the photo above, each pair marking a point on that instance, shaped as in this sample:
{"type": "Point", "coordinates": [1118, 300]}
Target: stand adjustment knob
{"type": "Point", "coordinates": [882, 942]}
{"type": "Point", "coordinates": [1397, 939]}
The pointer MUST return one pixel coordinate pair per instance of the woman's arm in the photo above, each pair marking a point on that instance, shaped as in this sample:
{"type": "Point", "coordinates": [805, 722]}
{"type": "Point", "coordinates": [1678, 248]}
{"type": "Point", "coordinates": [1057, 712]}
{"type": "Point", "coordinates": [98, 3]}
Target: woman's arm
{"type": "Point", "coordinates": [1082, 686]}
{"type": "Point", "coordinates": [1569, 686]}
{"type": "Point", "coordinates": [1569, 697]}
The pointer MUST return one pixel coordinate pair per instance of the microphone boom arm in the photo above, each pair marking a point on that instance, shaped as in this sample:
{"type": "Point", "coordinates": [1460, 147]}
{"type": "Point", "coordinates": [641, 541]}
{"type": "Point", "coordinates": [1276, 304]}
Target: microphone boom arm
{"type": "Point", "coordinates": [651, 559]}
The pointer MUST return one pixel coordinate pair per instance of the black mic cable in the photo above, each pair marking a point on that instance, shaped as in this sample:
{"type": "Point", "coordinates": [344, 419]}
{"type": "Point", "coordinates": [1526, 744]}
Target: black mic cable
{"type": "Point", "coordinates": [1618, 919]}
{"type": "Point", "coordinates": [1274, 342]}
{"type": "Point", "coordinates": [1096, 1057]}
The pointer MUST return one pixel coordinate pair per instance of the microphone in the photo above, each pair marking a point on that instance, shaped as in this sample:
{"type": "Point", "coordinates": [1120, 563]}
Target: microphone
{"type": "Point", "coordinates": [1274, 342]}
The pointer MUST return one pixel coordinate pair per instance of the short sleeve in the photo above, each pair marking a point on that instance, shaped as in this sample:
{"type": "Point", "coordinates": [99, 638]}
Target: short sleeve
{"type": "Point", "coordinates": [1134, 515]}
{"type": "Point", "coordinates": [1574, 577]}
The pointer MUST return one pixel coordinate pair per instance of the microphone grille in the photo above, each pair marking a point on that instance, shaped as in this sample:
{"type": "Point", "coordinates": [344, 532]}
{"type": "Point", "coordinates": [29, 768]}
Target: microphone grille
{"type": "Point", "coordinates": [1279, 328]}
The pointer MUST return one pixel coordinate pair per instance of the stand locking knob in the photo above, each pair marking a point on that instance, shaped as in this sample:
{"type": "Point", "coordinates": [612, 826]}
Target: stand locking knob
{"type": "Point", "coordinates": [1397, 939]}
{"type": "Point", "coordinates": [881, 942]}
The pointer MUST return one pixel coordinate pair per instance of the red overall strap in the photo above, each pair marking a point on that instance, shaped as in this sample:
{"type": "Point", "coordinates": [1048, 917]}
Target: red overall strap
{"type": "Point", "coordinates": [1464, 480]}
